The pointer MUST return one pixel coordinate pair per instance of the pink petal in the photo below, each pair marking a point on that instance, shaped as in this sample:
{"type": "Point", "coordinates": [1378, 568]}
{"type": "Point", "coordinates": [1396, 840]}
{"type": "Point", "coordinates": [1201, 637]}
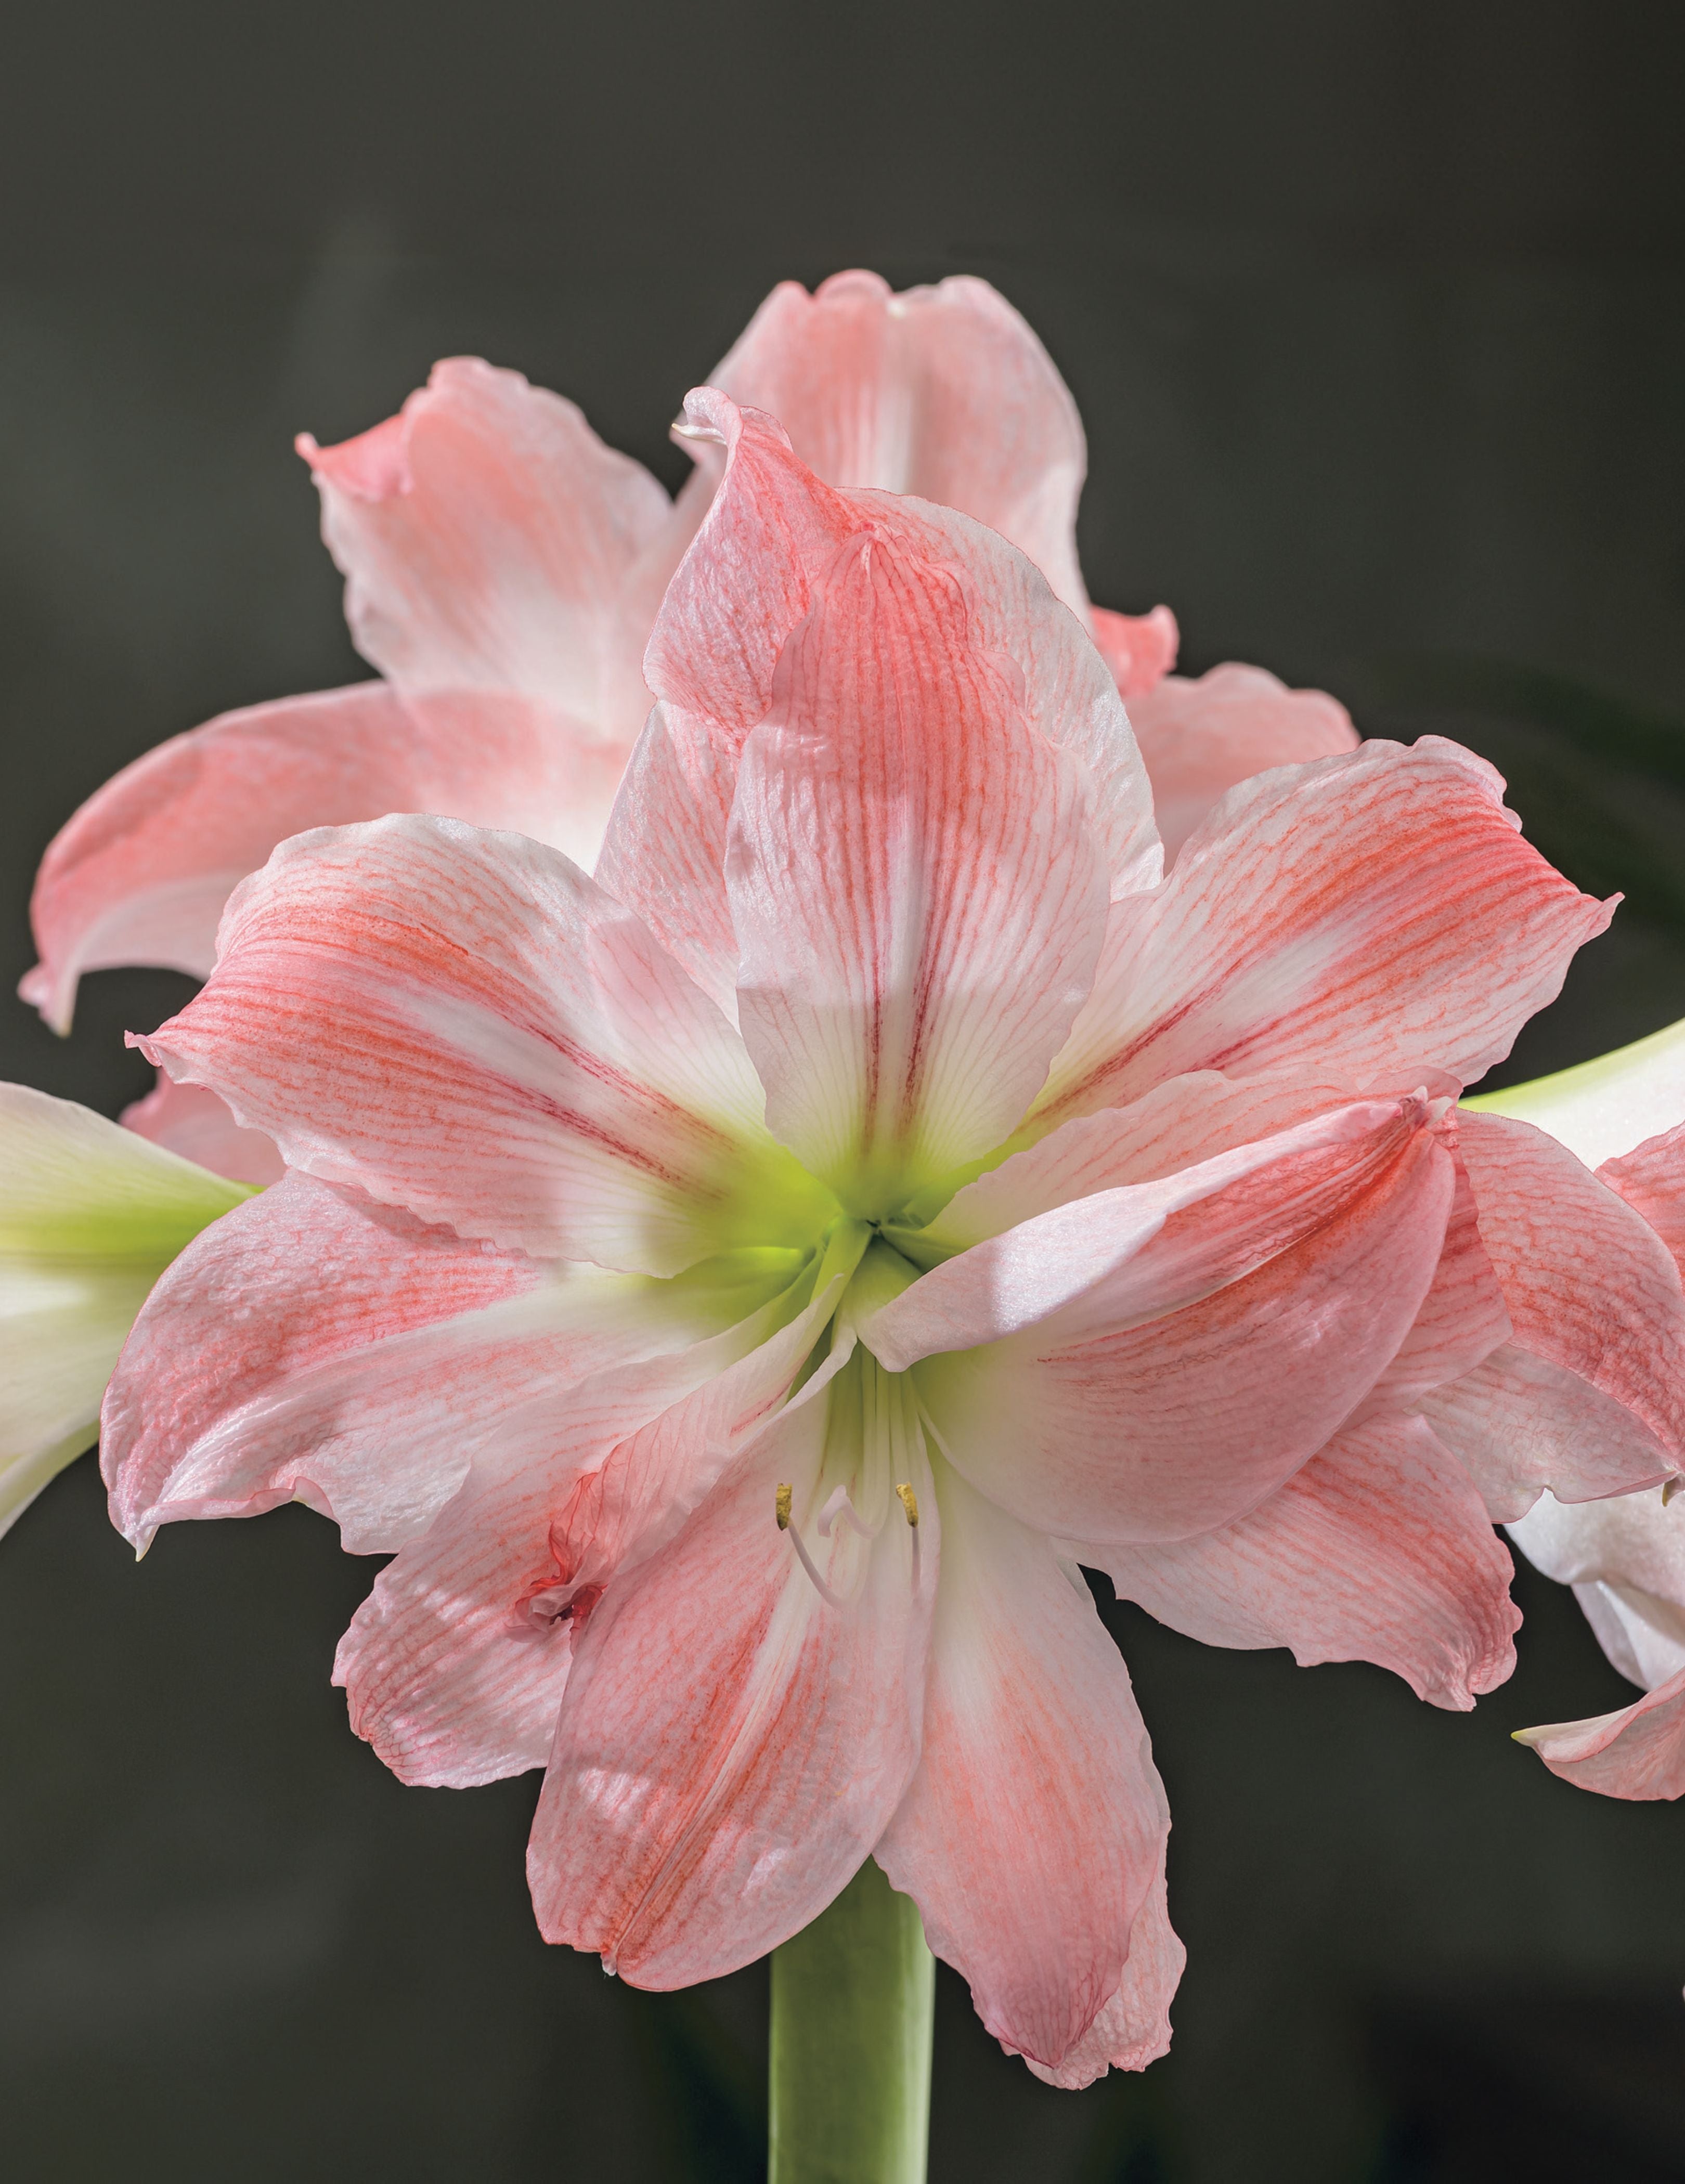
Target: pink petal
{"type": "Point", "coordinates": [1638, 1752]}
{"type": "Point", "coordinates": [942, 392]}
{"type": "Point", "coordinates": [1651, 1178]}
{"type": "Point", "coordinates": [456, 1664]}
{"type": "Point", "coordinates": [915, 893]}
{"type": "Point", "coordinates": [491, 541]}
{"type": "Point", "coordinates": [1165, 1356]}
{"type": "Point", "coordinates": [362, 1360]}
{"type": "Point", "coordinates": [462, 1024]}
{"type": "Point", "coordinates": [1463, 1318]}
{"type": "Point", "coordinates": [1377, 916]}
{"type": "Point", "coordinates": [1034, 1830]}
{"type": "Point", "coordinates": [142, 872]}
{"type": "Point", "coordinates": [1200, 738]}
{"type": "Point", "coordinates": [189, 1120]}
{"type": "Point", "coordinates": [1134, 2027]}
{"type": "Point", "coordinates": [1140, 650]}
{"type": "Point", "coordinates": [1593, 1292]}
{"type": "Point", "coordinates": [1379, 1549]}
{"type": "Point", "coordinates": [690, 1822]}
{"type": "Point", "coordinates": [771, 535]}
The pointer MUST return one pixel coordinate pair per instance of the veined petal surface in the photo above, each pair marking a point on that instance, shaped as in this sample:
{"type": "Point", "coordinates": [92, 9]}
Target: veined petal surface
{"type": "Point", "coordinates": [464, 1024]}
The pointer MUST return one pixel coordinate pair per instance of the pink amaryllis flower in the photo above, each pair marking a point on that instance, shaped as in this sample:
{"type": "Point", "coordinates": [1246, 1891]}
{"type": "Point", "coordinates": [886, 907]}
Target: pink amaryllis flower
{"type": "Point", "coordinates": [503, 569]}
{"type": "Point", "coordinates": [742, 1288]}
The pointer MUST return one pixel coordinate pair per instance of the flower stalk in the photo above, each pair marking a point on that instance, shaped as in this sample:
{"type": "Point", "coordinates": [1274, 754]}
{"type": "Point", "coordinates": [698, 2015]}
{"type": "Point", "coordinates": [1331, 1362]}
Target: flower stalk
{"type": "Point", "coordinates": [852, 2002]}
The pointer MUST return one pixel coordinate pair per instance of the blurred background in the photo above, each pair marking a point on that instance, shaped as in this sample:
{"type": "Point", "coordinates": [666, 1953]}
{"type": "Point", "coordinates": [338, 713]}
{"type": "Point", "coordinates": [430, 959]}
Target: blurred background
{"type": "Point", "coordinates": [1374, 315]}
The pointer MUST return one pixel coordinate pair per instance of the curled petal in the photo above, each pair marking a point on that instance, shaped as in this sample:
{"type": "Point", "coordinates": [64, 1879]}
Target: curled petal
{"type": "Point", "coordinates": [1651, 1178]}
{"type": "Point", "coordinates": [1033, 1833]}
{"type": "Point", "coordinates": [462, 1024]}
{"type": "Point", "coordinates": [140, 874]}
{"type": "Point", "coordinates": [1379, 1549]}
{"type": "Point", "coordinates": [1625, 1557]}
{"type": "Point", "coordinates": [1637, 1752]}
{"type": "Point", "coordinates": [323, 1348]}
{"type": "Point", "coordinates": [915, 889]}
{"type": "Point", "coordinates": [491, 541]}
{"type": "Point", "coordinates": [942, 392]}
{"type": "Point", "coordinates": [1377, 916]}
{"type": "Point", "coordinates": [688, 1824]}
{"type": "Point", "coordinates": [1201, 737]}
{"type": "Point", "coordinates": [1157, 1359]}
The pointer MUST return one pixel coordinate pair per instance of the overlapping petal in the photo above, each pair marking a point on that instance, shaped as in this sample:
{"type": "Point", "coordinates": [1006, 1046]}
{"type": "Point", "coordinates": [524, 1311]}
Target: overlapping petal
{"type": "Point", "coordinates": [456, 1664]}
{"type": "Point", "coordinates": [1639, 1751]}
{"type": "Point", "coordinates": [142, 871]}
{"type": "Point", "coordinates": [1202, 737]}
{"type": "Point", "coordinates": [941, 392]}
{"type": "Point", "coordinates": [1379, 1549]}
{"type": "Point", "coordinates": [1377, 916]}
{"type": "Point", "coordinates": [1033, 1832]}
{"type": "Point", "coordinates": [1155, 1360]}
{"type": "Point", "coordinates": [916, 890]}
{"type": "Point", "coordinates": [324, 1348]}
{"type": "Point", "coordinates": [490, 541]}
{"type": "Point", "coordinates": [1133, 2028]}
{"type": "Point", "coordinates": [689, 1824]}
{"type": "Point", "coordinates": [190, 1120]}
{"type": "Point", "coordinates": [463, 1023]}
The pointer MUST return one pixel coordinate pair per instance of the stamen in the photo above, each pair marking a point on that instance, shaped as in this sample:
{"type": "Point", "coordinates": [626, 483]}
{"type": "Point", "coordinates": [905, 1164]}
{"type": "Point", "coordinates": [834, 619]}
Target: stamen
{"type": "Point", "coordinates": [909, 1501]}
{"type": "Point", "coordinates": [1671, 1488]}
{"type": "Point", "coordinates": [806, 1561]}
{"type": "Point", "coordinates": [781, 1504]}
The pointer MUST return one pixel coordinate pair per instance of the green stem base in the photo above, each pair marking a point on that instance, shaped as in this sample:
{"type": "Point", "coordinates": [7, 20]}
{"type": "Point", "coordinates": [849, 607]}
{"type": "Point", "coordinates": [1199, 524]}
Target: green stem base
{"type": "Point", "coordinates": [853, 1997]}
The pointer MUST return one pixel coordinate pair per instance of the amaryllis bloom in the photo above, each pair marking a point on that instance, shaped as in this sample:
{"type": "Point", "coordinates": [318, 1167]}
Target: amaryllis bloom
{"type": "Point", "coordinates": [90, 1216]}
{"type": "Point", "coordinates": [503, 569]}
{"type": "Point", "coordinates": [742, 1289]}
{"type": "Point", "coordinates": [1625, 1557]}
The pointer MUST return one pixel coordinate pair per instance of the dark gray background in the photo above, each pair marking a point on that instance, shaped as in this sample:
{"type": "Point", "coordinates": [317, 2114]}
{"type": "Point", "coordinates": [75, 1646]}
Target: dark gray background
{"type": "Point", "coordinates": [1373, 314]}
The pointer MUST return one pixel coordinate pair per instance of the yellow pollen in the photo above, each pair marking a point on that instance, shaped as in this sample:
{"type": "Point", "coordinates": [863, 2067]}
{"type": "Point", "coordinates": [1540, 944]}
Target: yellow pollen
{"type": "Point", "coordinates": [782, 1505]}
{"type": "Point", "coordinates": [909, 1501]}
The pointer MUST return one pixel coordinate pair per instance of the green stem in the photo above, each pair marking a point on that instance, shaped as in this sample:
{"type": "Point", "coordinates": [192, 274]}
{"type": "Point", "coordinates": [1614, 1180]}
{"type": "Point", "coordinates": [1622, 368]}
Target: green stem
{"type": "Point", "coordinates": [852, 2000]}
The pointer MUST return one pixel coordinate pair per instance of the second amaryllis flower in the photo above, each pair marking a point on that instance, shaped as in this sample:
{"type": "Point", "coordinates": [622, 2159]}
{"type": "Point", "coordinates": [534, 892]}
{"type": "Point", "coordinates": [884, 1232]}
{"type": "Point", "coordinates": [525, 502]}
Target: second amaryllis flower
{"type": "Point", "coordinates": [741, 1288]}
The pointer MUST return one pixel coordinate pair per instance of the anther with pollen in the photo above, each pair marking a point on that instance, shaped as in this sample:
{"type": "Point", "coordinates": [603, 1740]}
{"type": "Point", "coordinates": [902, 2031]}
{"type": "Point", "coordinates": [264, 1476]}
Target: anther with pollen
{"type": "Point", "coordinates": [909, 1501]}
{"type": "Point", "coordinates": [782, 1505]}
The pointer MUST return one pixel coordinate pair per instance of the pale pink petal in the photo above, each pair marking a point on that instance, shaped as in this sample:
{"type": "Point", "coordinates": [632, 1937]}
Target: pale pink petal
{"type": "Point", "coordinates": [1168, 1353]}
{"type": "Point", "coordinates": [1176, 1125]}
{"type": "Point", "coordinates": [1201, 737]}
{"type": "Point", "coordinates": [454, 1665]}
{"type": "Point", "coordinates": [1034, 1830]}
{"type": "Point", "coordinates": [1651, 1178]}
{"type": "Point", "coordinates": [691, 1822]}
{"type": "Point", "coordinates": [1134, 2027]}
{"type": "Point", "coordinates": [1593, 1293]}
{"type": "Point", "coordinates": [489, 539]}
{"type": "Point", "coordinates": [942, 392]}
{"type": "Point", "coordinates": [321, 1348]}
{"type": "Point", "coordinates": [1379, 1549]}
{"type": "Point", "coordinates": [464, 1024]}
{"type": "Point", "coordinates": [1463, 1318]}
{"type": "Point", "coordinates": [770, 537]}
{"type": "Point", "coordinates": [1521, 1423]}
{"type": "Point", "coordinates": [1638, 1752]}
{"type": "Point", "coordinates": [1625, 1557]}
{"type": "Point", "coordinates": [1140, 650]}
{"type": "Point", "coordinates": [916, 892]}
{"type": "Point", "coordinates": [142, 872]}
{"type": "Point", "coordinates": [189, 1120]}
{"type": "Point", "coordinates": [1377, 916]}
